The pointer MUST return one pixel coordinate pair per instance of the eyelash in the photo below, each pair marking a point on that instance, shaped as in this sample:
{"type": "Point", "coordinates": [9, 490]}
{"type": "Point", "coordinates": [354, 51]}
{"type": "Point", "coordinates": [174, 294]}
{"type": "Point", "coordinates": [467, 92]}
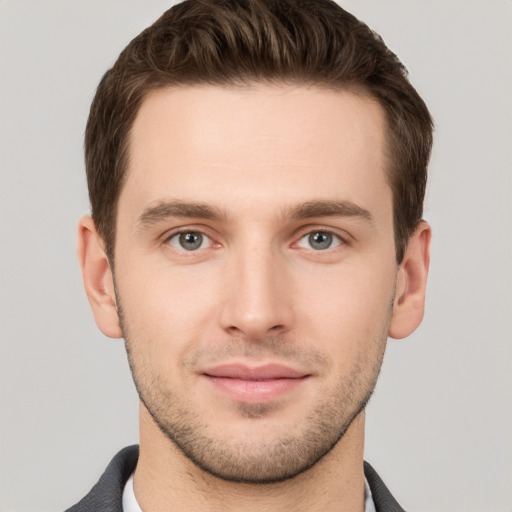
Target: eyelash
{"type": "Point", "coordinates": [180, 232]}
{"type": "Point", "coordinates": [342, 241]}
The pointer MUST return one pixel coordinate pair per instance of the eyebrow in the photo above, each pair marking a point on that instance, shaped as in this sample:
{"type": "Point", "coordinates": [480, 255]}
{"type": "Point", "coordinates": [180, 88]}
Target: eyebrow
{"type": "Point", "coordinates": [320, 208]}
{"type": "Point", "coordinates": [324, 208]}
{"type": "Point", "coordinates": [167, 209]}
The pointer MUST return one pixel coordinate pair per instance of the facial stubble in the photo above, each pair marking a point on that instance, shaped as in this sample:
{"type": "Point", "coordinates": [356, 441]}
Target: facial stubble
{"type": "Point", "coordinates": [265, 460]}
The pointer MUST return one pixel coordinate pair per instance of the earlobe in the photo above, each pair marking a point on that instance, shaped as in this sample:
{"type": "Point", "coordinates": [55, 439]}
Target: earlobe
{"type": "Point", "coordinates": [98, 279]}
{"type": "Point", "coordinates": [409, 302]}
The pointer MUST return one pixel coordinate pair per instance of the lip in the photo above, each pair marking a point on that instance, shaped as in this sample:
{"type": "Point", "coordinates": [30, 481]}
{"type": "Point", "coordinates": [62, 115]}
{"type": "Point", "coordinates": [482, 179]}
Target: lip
{"type": "Point", "coordinates": [255, 384]}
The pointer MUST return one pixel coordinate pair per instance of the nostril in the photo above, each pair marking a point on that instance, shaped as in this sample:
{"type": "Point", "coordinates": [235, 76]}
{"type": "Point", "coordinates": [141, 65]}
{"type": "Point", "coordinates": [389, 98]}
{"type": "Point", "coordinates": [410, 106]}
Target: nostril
{"type": "Point", "coordinates": [234, 330]}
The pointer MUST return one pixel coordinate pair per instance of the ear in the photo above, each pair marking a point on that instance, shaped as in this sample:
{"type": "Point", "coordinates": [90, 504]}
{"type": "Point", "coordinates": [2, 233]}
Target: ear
{"type": "Point", "coordinates": [411, 282]}
{"type": "Point", "coordinates": [98, 279]}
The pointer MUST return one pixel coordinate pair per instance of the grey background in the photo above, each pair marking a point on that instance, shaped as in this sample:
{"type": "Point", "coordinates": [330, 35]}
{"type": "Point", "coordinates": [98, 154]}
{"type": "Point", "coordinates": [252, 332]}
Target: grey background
{"type": "Point", "coordinates": [439, 426]}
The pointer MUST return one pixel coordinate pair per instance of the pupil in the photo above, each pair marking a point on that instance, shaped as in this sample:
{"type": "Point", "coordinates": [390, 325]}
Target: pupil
{"type": "Point", "coordinates": [320, 240]}
{"type": "Point", "coordinates": [191, 241]}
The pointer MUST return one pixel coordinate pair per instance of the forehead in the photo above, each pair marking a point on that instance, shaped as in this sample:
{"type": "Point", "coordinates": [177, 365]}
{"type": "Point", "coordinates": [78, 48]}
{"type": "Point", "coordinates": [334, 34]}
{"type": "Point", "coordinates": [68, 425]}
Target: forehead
{"type": "Point", "coordinates": [272, 145]}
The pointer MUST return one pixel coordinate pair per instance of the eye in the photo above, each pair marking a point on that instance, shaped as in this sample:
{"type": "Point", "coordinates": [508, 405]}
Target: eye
{"type": "Point", "coordinates": [189, 240]}
{"type": "Point", "coordinates": [320, 241]}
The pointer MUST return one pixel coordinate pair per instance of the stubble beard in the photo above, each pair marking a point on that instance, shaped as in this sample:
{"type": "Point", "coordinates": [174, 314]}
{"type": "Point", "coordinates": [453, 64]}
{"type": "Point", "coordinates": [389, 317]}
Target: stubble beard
{"type": "Point", "coordinates": [266, 460]}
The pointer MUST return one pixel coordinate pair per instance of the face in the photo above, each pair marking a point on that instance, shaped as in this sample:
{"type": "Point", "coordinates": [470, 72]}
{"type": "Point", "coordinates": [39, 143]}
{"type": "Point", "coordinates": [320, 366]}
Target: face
{"type": "Point", "coordinates": [255, 271]}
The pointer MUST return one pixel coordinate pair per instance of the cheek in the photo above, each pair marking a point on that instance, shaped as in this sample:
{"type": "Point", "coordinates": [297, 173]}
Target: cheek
{"type": "Point", "coordinates": [347, 310]}
{"type": "Point", "coordinates": [166, 307]}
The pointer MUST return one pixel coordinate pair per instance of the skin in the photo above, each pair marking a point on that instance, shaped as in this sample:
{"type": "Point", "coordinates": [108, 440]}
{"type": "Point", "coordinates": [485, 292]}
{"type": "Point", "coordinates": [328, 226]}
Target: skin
{"type": "Point", "coordinates": [273, 165]}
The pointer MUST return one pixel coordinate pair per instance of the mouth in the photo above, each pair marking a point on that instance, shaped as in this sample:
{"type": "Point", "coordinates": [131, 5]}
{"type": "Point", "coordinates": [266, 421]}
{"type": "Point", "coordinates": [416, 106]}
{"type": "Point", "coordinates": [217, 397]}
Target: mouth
{"type": "Point", "coordinates": [255, 384]}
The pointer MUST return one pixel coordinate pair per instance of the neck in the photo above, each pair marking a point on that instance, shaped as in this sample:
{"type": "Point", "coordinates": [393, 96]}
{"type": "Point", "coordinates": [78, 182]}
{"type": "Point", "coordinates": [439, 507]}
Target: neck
{"type": "Point", "coordinates": [166, 480]}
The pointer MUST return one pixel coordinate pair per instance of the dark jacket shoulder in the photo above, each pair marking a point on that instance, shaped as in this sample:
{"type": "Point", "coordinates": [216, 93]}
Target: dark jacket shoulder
{"type": "Point", "coordinates": [382, 497]}
{"type": "Point", "coordinates": [107, 494]}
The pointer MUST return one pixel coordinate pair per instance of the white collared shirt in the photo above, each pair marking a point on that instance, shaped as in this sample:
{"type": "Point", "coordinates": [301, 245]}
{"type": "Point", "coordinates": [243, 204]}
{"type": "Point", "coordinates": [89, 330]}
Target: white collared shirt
{"type": "Point", "coordinates": [130, 503]}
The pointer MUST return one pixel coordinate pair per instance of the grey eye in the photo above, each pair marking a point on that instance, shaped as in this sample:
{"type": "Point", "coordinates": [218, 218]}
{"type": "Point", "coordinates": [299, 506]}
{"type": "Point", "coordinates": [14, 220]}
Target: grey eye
{"type": "Point", "coordinates": [320, 241]}
{"type": "Point", "coordinates": [189, 240]}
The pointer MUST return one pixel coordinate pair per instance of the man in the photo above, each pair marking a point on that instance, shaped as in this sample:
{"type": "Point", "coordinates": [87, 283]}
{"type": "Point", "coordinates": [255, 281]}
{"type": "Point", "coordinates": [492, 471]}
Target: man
{"type": "Point", "coordinates": [256, 172]}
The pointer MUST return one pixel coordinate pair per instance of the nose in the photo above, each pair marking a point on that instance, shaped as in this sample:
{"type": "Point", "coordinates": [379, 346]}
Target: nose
{"type": "Point", "coordinates": [257, 295]}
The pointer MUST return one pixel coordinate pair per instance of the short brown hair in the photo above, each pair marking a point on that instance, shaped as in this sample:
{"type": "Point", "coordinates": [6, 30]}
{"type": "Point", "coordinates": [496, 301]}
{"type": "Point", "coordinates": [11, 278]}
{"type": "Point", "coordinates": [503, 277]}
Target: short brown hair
{"type": "Point", "coordinates": [226, 42]}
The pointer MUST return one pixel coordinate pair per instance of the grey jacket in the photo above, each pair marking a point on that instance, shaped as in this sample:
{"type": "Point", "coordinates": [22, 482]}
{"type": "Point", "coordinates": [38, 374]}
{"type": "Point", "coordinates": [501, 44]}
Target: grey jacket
{"type": "Point", "coordinates": [107, 494]}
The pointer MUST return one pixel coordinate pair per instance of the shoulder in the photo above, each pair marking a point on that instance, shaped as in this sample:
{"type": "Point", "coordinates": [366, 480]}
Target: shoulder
{"type": "Point", "coordinates": [106, 495]}
{"type": "Point", "coordinates": [382, 497]}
